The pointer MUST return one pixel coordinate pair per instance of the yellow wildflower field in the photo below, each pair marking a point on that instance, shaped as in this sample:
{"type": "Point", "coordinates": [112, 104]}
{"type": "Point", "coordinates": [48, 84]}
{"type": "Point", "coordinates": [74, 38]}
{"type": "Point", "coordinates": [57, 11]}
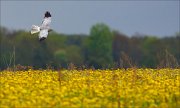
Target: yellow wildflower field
{"type": "Point", "coordinates": [91, 88]}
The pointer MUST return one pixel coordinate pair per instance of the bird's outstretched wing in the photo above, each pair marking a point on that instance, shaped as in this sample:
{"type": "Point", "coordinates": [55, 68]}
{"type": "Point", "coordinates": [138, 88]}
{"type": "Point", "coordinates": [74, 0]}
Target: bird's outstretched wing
{"type": "Point", "coordinates": [45, 26]}
{"type": "Point", "coordinates": [46, 22]}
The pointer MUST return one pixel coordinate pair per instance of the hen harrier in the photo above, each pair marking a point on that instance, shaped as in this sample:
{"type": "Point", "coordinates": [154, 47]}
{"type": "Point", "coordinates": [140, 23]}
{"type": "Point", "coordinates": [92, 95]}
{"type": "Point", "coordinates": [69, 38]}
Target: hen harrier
{"type": "Point", "coordinates": [44, 28]}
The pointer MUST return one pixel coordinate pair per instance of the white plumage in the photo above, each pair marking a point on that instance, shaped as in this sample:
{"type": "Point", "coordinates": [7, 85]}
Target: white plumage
{"type": "Point", "coordinates": [44, 28]}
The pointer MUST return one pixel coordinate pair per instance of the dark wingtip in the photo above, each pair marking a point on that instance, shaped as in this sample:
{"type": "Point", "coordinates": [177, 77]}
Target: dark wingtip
{"type": "Point", "coordinates": [41, 39]}
{"type": "Point", "coordinates": [47, 14]}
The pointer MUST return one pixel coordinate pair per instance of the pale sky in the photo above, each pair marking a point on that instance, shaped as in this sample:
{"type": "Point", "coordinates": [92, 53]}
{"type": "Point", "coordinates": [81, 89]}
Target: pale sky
{"type": "Point", "coordinates": [159, 18]}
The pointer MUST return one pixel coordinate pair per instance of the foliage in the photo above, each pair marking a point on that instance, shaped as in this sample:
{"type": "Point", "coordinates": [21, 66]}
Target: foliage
{"type": "Point", "coordinates": [91, 88]}
{"type": "Point", "coordinates": [102, 48]}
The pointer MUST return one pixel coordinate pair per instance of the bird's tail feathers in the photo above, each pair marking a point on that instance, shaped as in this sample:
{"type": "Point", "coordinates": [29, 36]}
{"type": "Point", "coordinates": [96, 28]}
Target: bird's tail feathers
{"type": "Point", "coordinates": [35, 29]}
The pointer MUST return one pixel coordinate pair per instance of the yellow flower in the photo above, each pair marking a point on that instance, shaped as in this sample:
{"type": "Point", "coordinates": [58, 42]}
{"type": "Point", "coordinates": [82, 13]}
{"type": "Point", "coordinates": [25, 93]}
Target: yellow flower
{"type": "Point", "coordinates": [90, 88]}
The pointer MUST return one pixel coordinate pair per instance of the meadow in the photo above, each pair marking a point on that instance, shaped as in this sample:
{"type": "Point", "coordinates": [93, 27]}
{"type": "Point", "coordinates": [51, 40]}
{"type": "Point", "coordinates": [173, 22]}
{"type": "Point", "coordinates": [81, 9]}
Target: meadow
{"type": "Point", "coordinates": [156, 88]}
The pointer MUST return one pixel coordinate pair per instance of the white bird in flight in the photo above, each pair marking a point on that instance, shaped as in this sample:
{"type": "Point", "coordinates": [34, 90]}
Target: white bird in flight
{"type": "Point", "coordinates": [44, 28]}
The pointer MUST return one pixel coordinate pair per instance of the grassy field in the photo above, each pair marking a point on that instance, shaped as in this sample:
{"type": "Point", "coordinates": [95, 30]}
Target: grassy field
{"type": "Point", "coordinates": [91, 88]}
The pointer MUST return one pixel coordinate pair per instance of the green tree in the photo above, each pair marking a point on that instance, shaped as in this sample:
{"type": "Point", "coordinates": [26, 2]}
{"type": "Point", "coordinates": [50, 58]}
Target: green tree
{"type": "Point", "coordinates": [100, 46]}
{"type": "Point", "coordinates": [150, 48]}
{"type": "Point", "coordinates": [60, 58]}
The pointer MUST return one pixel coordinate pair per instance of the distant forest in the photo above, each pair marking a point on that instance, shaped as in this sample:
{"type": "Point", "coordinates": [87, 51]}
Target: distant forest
{"type": "Point", "coordinates": [102, 48]}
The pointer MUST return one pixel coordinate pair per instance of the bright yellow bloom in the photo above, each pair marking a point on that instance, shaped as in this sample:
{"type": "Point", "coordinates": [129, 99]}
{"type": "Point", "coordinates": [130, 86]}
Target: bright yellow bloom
{"type": "Point", "coordinates": [91, 88]}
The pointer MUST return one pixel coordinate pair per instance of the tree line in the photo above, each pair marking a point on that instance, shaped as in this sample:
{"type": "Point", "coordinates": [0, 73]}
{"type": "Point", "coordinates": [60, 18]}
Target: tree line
{"type": "Point", "coordinates": [102, 48]}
